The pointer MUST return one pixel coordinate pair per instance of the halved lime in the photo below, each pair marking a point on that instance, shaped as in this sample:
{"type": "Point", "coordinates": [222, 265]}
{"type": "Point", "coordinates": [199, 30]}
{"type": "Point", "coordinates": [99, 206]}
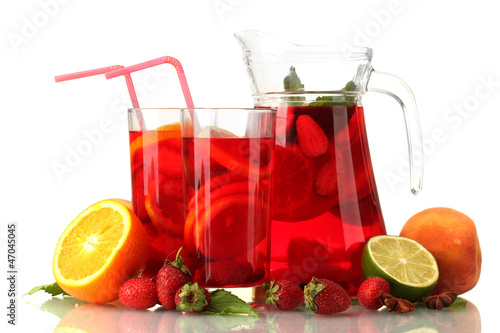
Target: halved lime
{"type": "Point", "coordinates": [409, 268]}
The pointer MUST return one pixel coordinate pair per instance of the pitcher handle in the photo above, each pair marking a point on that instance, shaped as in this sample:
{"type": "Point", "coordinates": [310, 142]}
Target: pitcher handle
{"type": "Point", "coordinates": [393, 86]}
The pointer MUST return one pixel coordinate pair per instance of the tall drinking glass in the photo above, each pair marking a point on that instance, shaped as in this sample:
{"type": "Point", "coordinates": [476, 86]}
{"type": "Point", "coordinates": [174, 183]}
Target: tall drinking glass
{"type": "Point", "coordinates": [228, 162]}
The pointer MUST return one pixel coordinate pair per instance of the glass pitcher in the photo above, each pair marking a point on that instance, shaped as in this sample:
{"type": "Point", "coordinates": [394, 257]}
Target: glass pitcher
{"type": "Point", "coordinates": [325, 204]}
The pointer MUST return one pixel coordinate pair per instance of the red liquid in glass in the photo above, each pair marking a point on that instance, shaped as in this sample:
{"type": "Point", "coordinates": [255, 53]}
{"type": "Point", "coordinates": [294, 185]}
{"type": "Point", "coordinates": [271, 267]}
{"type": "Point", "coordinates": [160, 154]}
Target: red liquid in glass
{"type": "Point", "coordinates": [156, 167]}
{"type": "Point", "coordinates": [228, 194]}
{"type": "Point", "coordinates": [325, 206]}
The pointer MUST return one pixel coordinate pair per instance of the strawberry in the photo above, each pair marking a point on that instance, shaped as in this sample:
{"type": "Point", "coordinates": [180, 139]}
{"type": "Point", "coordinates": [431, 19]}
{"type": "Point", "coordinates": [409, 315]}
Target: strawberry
{"type": "Point", "coordinates": [224, 273]}
{"type": "Point", "coordinates": [330, 178]}
{"type": "Point", "coordinates": [323, 296]}
{"type": "Point", "coordinates": [312, 140]}
{"type": "Point", "coordinates": [369, 292]}
{"type": "Point", "coordinates": [284, 294]}
{"type": "Point", "coordinates": [190, 298]}
{"type": "Point", "coordinates": [138, 293]}
{"type": "Point", "coordinates": [170, 278]}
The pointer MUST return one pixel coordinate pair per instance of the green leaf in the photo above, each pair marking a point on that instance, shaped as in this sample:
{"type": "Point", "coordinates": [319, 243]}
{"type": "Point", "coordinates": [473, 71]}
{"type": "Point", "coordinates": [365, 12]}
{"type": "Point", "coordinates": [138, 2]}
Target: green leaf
{"type": "Point", "coordinates": [60, 306]}
{"type": "Point", "coordinates": [459, 302]}
{"type": "Point", "coordinates": [223, 302]}
{"type": "Point", "coordinates": [51, 288]}
{"type": "Point", "coordinates": [343, 99]}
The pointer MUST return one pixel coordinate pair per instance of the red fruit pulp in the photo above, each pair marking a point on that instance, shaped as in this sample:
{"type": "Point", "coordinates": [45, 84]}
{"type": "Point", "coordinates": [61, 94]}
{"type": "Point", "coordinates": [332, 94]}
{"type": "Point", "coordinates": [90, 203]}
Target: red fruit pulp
{"type": "Point", "coordinates": [326, 207]}
{"type": "Point", "coordinates": [229, 209]}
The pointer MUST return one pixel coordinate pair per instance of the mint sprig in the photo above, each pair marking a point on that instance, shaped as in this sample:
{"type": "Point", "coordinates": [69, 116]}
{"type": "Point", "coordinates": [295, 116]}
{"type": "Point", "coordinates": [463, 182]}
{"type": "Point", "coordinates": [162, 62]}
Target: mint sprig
{"type": "Point", "coordinates": [344, 99]}
{"type": "Point", "coordinates": [51, 288]}
{"type": "Point", "coordinates": [224, 302]}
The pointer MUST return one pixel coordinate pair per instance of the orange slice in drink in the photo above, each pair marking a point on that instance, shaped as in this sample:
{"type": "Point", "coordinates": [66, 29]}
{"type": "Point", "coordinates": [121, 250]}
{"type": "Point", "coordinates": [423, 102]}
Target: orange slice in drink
{"type": "Point", "coordinates": [167, 220]}
{"type": "Point", "coordinates": [170, 131]}
{"type": "Point", "coordinates": [230, 227]}
{"type": "Point", "coordinates": [250, 157]}
{"type": "Point", "coordinates": [99, 251]}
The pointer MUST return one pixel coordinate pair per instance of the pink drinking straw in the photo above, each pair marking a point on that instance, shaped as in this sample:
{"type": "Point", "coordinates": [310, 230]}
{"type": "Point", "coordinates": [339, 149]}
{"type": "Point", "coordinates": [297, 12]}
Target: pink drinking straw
{"type": "Point", "coordinates": [155, 62]}
{"type": "Point", "coordinates": [104, 70]}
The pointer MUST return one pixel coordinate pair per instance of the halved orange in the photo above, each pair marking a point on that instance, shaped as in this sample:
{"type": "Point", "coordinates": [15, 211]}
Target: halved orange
{"type": "Point", "coordinates": [99, 251]}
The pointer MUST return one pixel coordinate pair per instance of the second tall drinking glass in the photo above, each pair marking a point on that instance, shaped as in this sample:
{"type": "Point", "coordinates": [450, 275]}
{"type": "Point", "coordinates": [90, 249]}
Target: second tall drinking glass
{"type": "Point", "coordinates": [228, 162]}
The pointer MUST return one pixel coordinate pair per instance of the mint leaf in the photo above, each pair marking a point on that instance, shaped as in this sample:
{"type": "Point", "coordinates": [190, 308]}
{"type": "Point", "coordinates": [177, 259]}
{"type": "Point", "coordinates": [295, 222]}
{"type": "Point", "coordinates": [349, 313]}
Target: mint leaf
{"type": "Point", "coordinates": [51, 288]}
{"type": "Point", "coordinates": [223, 302]}
{"type": "Point", "coordinates": [229, 323]}
{"type": "Point", "coordinates": [292, 83]}
{"type": "Point", "coordinates": [60, 306]}
{"type": "Point", "coordinates": [340, 100]}
{"type": "Point", "coordinates": [459, 302]}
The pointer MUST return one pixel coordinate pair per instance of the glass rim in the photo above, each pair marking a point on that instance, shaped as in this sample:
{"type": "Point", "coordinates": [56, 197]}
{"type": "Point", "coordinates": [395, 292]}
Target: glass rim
{"type": "Point", "coordinates": [149, 108]}
{"type": "Point", "coordinates": [263, 109]}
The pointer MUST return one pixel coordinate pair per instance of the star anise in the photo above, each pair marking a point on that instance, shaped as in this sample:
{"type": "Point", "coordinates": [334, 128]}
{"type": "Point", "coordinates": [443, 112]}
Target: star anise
{"type": "Point", "coordinates": [397, 305]}
{"type": "Point", "coordinates": [440, 301]}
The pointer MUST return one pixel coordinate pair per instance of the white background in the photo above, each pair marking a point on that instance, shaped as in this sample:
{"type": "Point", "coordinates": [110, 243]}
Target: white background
{"type": "Point", "coordinates": [444, 50]}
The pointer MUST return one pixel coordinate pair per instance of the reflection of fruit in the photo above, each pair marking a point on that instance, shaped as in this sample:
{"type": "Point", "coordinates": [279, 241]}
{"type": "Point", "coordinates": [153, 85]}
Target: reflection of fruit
{"type": "Point", "coordinates": [369, 292]}
{"type": "Point", "coordinates": [91, 318]}
{"type": "Point", "coordinates": [167, 320]}
{"type": "Point", "coordinates": [139, 293]}
{"type": "Point", "coordinates": [170, 278]}
{"type": "Point", "coordinates": [133, 321]}
{"type": "Point", "coordinates": [311, 138]}
{"type": "Point", "coordinates": [99, 250]}
{"type": "Point", "coordinates": [409, 268]}
{"type": "Point", "coordinates": [227, 221]}
{"type": "Point", "coordinates": [224, 273]}
{"type": "Point", "coordinates": [452, 238]}
{"type": "Point", "coordinates": [323, 296]}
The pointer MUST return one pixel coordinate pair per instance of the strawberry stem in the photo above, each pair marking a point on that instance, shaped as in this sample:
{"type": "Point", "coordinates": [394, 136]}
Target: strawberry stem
{"type": "Point", "coordinates": [178, 263]}
{"type": "Point", "coordinates": [271, 290]}
{"type": "Point", "coordinates": [310, 291]}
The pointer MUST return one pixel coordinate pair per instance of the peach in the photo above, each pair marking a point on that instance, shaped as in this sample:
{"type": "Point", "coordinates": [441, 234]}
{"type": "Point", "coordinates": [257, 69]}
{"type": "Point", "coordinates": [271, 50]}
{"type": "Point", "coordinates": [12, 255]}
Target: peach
{"type": "Point", "coordinates": [452, 239]}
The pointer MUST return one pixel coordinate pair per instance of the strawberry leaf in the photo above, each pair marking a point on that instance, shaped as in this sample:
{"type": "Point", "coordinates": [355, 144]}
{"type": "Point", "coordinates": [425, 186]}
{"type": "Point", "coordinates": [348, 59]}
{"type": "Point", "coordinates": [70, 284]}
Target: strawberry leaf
{"type": "Point", "coordinates": [223, 302]}
{"type": "Point", "coordinates": [51, 288]}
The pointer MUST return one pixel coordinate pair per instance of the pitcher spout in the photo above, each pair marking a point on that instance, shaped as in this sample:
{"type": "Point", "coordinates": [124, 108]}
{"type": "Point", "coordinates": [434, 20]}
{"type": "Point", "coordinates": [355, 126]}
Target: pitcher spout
{"type": "Point", "coordinates": [268, 60]}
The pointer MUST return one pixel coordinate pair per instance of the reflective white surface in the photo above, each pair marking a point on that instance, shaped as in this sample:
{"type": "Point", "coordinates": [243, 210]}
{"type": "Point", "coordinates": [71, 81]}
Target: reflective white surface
{"type": "Point", "coordinates": [70, 315]}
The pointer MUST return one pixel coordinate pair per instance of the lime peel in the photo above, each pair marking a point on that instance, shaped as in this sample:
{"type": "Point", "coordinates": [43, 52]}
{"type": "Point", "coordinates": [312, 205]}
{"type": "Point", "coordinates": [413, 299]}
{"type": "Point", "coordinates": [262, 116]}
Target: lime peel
{"type": "Point", "coordinates": [410, 269]}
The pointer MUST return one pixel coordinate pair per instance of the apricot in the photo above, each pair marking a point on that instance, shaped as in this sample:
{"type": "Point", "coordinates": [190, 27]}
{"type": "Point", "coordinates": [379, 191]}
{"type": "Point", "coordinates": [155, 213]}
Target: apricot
{"type": "Point", "coordinates": [452, 239]}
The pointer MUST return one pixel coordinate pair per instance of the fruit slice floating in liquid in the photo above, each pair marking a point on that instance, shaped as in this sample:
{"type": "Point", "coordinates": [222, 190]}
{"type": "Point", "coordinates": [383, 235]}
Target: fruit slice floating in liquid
{"type": "Point", "coordinates": [167, 220]}
{"type": "Point", "coordinates": [228, 221]}
{"type": "Point", "coordinates": [409, 268]}
{"type": "Point", "coordinates": [311, 138]}
{"type": "Point", "coordinates": [330, 178]}
{"type": "Point", "coordinates": [171, 131]}
{"type": "Point", "coordinates": [249, 157]}
{"type": "Point", "coordinates": [99, 250]}
{"type": "Point", "coordinates": [239, 187]}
